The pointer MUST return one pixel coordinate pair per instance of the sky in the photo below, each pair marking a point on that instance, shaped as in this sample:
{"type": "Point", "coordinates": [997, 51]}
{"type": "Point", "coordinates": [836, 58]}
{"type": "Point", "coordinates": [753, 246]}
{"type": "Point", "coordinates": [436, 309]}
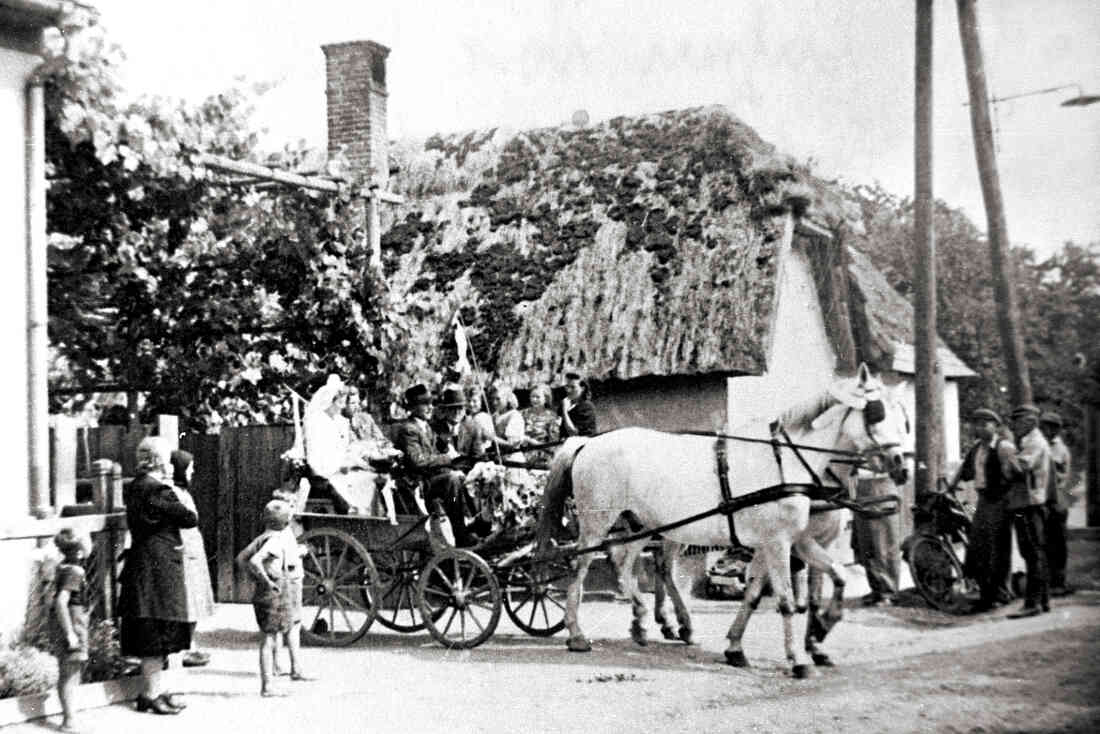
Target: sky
{"type": "Point", "coordinates": [824, 80]}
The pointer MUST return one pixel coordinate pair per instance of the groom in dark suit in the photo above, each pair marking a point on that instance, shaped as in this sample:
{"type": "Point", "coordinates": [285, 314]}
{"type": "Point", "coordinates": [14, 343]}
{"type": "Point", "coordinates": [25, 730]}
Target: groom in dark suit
{"type": "Point", "coordinates": [417, 440]}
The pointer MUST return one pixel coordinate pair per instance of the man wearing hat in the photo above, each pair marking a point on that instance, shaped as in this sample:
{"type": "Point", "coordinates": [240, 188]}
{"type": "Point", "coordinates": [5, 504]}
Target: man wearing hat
{"type": "Point", "coordinates": [989, 463]}
{"type": "Point", "coordinates": [416, 438]}
{"type": "Point", "coordinates": [1026, 499]}
{"type": "Point", "coordinates": [1058, 503]}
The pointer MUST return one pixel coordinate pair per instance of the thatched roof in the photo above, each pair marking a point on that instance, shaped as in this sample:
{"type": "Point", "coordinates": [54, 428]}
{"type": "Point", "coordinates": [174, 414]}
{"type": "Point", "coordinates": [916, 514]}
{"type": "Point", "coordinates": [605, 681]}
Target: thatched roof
{"type": "Point", "coordinates": [890, 321]}
{"type": "Point", "coordinates": [639, 246]}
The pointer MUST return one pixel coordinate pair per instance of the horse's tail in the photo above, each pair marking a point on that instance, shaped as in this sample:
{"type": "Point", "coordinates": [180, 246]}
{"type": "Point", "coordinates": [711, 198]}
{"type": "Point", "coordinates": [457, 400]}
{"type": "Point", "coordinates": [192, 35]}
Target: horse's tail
{"type": "Point", "coordinates": [559, 485]}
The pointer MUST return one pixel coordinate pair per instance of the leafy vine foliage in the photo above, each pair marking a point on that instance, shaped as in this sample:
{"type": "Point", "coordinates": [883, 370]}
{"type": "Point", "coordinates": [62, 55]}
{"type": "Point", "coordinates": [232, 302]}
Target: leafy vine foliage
{"type": "Point", "coordinates": [164, 277]}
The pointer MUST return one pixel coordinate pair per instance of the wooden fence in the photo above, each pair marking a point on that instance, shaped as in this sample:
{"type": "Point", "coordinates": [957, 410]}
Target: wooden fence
{"type": "Point", "coordinates": [235, 474]}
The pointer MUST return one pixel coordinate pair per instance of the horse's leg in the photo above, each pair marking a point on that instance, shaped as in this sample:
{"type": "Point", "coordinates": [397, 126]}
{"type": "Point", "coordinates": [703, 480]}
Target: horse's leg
{"type": "Point", "coordinates": [671, 552]}
{"type": "Point", "coordinates": [777, 557]}
{"type": "Point", "coordinates": [660, 575]}
{"type": "Point", "coordinates": [628, 583]}
{"type": "Point", "coordinates": [577, 641]}
{"type": "Point", "coordinates": [821, 621]}
{"type": "Point", "coordinates": [592, 528]}
{"type": "Point", "coordinates": [755, 575]}
{"type": "Point", "coordinates": [801, 580]}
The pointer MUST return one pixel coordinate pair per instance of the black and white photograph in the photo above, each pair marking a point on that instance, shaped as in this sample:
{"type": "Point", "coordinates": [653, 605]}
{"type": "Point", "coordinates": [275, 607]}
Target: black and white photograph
{"type": "Point", "coordinates": [485, 366]}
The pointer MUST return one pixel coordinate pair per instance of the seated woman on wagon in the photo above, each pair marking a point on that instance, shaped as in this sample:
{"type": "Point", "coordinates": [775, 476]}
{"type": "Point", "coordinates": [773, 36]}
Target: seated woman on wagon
{"type": "Point", "coordinates": [333, 456]}
{"type": "Point", "coordinates": [542, 422]}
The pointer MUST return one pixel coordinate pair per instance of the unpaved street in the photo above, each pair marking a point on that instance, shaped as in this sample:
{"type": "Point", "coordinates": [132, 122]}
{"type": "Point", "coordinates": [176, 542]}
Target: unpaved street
{"type": "Point", "coordinates": [903, 668]}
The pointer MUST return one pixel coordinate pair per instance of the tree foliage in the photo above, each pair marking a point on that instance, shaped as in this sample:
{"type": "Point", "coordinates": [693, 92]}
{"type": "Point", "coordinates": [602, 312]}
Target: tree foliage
{"type": "Point", "coordinates": [1058, 299]}
{"type": "Point", "coordinates": [163, 277]}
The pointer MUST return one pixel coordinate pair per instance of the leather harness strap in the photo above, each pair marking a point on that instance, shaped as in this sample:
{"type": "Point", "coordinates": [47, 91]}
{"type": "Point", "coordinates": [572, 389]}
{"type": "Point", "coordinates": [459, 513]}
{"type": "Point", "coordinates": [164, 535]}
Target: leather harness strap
{"type": "Point", "coordinates": [721, 455]}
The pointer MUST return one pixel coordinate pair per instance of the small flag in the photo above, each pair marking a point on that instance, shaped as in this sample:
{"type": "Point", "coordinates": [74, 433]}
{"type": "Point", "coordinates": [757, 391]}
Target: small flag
{"type": "Point", "coordinates": [462, 345]}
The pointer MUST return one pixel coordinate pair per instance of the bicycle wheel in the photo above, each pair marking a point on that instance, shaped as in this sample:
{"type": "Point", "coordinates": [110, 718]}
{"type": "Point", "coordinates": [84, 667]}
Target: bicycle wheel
{"type": "Point", "coordinates": [937, 573]}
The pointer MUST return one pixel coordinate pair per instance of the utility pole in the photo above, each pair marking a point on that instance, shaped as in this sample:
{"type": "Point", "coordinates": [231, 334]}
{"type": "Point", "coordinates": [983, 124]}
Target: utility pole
{"type": "Point", "coordinates": [1019, 384]}
{"type": "Point", "coordinates": [929, 373]}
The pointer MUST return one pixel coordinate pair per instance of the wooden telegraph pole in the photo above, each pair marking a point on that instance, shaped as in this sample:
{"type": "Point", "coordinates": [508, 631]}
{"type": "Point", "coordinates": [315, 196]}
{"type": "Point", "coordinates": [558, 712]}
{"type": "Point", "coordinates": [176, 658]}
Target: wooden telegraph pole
{"type": "Point", "coordinates": [1019, 384]}
{"type": "Point", "coordinates": [929, 373]}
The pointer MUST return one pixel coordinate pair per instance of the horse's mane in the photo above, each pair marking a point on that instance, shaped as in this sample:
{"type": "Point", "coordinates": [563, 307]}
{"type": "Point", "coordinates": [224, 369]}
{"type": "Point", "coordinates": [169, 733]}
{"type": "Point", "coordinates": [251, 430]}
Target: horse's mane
{"type": "Point", "coordinates": [801, 415]}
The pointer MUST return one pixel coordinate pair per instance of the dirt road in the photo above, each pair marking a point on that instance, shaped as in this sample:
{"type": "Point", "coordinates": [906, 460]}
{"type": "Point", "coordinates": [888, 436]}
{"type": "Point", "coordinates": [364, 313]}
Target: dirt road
{"type": "Point", "coordinates": [904, 668]}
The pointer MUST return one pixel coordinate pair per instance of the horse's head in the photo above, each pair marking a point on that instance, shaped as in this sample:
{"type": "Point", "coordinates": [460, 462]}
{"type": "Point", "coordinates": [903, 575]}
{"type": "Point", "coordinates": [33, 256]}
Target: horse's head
{"type": "Point", "coordinates": [875, 422]}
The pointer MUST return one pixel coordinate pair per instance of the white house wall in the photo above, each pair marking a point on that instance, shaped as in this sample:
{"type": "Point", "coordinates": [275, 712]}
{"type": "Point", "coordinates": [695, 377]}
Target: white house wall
{"type": "Point", "coordinates": [14, 565]}
{"type": "Point", "coordinates": [801, 362]}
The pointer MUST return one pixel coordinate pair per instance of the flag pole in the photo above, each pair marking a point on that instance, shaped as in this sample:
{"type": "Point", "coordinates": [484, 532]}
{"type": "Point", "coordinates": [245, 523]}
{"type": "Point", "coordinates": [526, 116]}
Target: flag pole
{"type": "Point", "coordinates": [477, 380]}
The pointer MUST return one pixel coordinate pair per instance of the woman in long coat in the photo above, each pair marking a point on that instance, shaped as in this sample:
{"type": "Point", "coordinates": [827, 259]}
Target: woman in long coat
{"type": "Point", "coordinates": [153, 598]}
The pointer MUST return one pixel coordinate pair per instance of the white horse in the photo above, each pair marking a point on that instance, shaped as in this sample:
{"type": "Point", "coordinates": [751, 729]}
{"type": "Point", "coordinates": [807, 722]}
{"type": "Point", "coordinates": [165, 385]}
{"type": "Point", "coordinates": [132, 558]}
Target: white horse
{"type": "Point", "coordinates": [663, 478]}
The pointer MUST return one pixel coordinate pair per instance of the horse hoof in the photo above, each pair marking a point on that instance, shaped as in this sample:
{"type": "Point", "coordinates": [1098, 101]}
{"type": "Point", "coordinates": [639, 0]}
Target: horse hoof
{"type": "Point", "coordinates": [685, 635]}
{"type": "Point", "coordinates": [668, 633]}
{"type": "Point", "coordinates": [639, 636]}
{"type": "Point", "coordinates": [737, 659]}
{"type": "Point", "coordinates": [823, 660]}
{"type": "Point", "coordinates": [579, 644]}
{"type": "Point", "coordinates": [800, 609]}
{"type": "Point", "coordinates": [802, 671]}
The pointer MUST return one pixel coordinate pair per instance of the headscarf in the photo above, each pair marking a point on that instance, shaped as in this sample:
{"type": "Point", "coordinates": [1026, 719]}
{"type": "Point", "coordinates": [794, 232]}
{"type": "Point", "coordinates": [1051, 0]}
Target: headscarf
{"type": "Point", "coordinates": [180, 461]}
{"type": "Point", "coordinates": [322, 399]}
{"type": "Point", "coordinates": [153, 456]}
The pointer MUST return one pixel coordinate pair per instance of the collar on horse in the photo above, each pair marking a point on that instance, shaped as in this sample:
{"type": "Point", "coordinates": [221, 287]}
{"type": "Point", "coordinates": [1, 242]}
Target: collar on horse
{"type": "Point", "coordinates": [819, 490]}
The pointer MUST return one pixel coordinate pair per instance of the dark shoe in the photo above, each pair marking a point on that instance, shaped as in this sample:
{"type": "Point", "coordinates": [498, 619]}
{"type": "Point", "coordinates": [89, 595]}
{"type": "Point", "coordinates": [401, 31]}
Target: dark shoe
{"type": "Point", "coordinates": [156, 705]}
{"type": "Point", "coordinates": [174, 701]}
{"type": "Point", "coordinates": [302, 677]}
{"type": "Point", "coordinates": [1026, 612]}
{"type": "Point", "coordinates": [875, 599]}
{"type": "Point", "coordinates": [195, 659]}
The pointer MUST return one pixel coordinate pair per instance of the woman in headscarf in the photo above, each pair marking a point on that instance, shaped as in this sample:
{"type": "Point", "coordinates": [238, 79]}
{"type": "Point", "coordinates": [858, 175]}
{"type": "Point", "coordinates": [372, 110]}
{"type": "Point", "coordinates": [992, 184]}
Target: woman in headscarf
{"type": "Point", "coordinates": [153, 598]}
{"type": "Point", "coordinates": [196, 572]}
{"type": "Point", "coordinates": [508, 421]}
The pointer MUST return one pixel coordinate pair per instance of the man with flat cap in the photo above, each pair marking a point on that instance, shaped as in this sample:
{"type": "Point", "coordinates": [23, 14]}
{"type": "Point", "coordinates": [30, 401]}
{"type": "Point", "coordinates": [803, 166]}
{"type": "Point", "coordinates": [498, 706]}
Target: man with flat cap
{"type": "Point", "coordinates": [1027, 497]}
{"type": "Point", "coordinates": [416, 438]}
{"type": "Point", "coordinates": [1058, 503]}
{"type": "Point", "coordinates": [989, 463]}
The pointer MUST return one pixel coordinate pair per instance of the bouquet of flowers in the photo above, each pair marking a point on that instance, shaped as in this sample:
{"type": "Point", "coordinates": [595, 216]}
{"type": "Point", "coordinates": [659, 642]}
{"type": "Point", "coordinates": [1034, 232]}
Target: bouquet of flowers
{"type": "Point", "coordinates": [506, 497]}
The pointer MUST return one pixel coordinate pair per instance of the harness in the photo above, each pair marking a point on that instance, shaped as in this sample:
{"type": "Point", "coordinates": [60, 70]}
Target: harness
{"type": "Point", "coordinates": [816, 489]}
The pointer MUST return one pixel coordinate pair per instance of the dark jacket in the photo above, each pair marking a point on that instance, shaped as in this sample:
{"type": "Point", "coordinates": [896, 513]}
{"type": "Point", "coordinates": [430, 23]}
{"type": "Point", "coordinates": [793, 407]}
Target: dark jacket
{"type": "Point", "coordinates": [583, 415]}
{"type": "Point", "coordinates": [152, 578]}
{"type": "Point", "coordinates": [417, 440]}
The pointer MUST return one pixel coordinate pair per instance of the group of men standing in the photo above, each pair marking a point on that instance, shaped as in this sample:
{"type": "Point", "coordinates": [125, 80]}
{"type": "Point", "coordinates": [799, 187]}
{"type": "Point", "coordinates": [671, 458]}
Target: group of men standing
{"type": "Point", "coordinates": [1021, 474]}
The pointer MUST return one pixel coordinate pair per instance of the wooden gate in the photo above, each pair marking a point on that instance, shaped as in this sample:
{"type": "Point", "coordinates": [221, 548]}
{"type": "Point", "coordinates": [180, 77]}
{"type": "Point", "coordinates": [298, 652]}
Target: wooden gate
{"type": "Point", "coordinates": [235, 474]}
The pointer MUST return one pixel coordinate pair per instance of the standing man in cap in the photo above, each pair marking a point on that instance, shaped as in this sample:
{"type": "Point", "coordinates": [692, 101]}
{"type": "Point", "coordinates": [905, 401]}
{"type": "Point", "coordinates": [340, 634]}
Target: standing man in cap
{"type": "Point", "coordinates": [1026, 499]}
{"type": "Point", "coordinates": [1058, 503]}
{"type": "Point", "coordinates": [417, 440]}
{"type": "Point", "coordinates": [990, 465]}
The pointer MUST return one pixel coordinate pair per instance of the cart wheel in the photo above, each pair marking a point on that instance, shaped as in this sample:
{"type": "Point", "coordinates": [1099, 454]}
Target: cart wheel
{"type": "Point", "coordinates": [338, 588]}
{"type": "Point", "coordinates": [399, 572]}
{"type": "Point", "coordinates": [459, 598]}
{"type": "Point", "coordinates": [937, 573]}
{"type": "Point", "coordinates": [534, 596]}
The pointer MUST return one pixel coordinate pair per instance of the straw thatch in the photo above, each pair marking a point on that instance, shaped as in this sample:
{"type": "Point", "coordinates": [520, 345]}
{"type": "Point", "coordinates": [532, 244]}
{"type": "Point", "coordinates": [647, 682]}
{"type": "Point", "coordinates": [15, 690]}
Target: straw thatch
{"type": "Point", "coordinates": [640, 246]}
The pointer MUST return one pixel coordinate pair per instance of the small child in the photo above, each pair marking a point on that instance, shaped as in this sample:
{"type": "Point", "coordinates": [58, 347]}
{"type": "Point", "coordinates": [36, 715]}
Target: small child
{"type": "Point", "coordinates": [275, 561]}
{"type": "Point", "coordinates": [69, 621]}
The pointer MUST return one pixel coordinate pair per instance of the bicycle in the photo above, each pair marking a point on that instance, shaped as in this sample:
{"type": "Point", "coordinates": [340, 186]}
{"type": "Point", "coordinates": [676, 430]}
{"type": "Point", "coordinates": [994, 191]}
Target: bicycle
{"type": "Point", "coordinates": [943, 525]}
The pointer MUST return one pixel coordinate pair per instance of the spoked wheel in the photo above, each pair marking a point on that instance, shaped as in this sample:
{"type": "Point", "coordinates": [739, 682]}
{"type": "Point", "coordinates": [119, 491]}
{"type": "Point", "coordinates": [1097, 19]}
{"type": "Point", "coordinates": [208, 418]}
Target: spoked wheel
{"type": "Point", "coordinates": [338, 590]}
{"type": "Point", "coordinates": [459, 599]}
{"type": "Point", "coordinates": [399, 572]}
{"type": "Point", "coordinates": [534, 596]}
{"type": "Point", "coordinates": [937, 573]}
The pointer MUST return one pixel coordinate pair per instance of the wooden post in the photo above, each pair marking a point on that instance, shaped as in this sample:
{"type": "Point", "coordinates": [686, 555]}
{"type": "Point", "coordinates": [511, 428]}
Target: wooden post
{"type": "Point", "coordinates": [929, 374]}
{"type": "Point", "coordinates": [107, 497]}
{"type": "Point", "coordinates": [1092, 466]}
{"type": "Point", "coordinates": [1019, 383]}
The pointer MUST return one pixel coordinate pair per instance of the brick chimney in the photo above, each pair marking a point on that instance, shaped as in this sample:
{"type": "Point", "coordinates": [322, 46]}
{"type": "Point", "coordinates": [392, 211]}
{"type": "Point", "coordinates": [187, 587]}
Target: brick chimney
{"type": "Point", "coordinates": [355, 74]}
